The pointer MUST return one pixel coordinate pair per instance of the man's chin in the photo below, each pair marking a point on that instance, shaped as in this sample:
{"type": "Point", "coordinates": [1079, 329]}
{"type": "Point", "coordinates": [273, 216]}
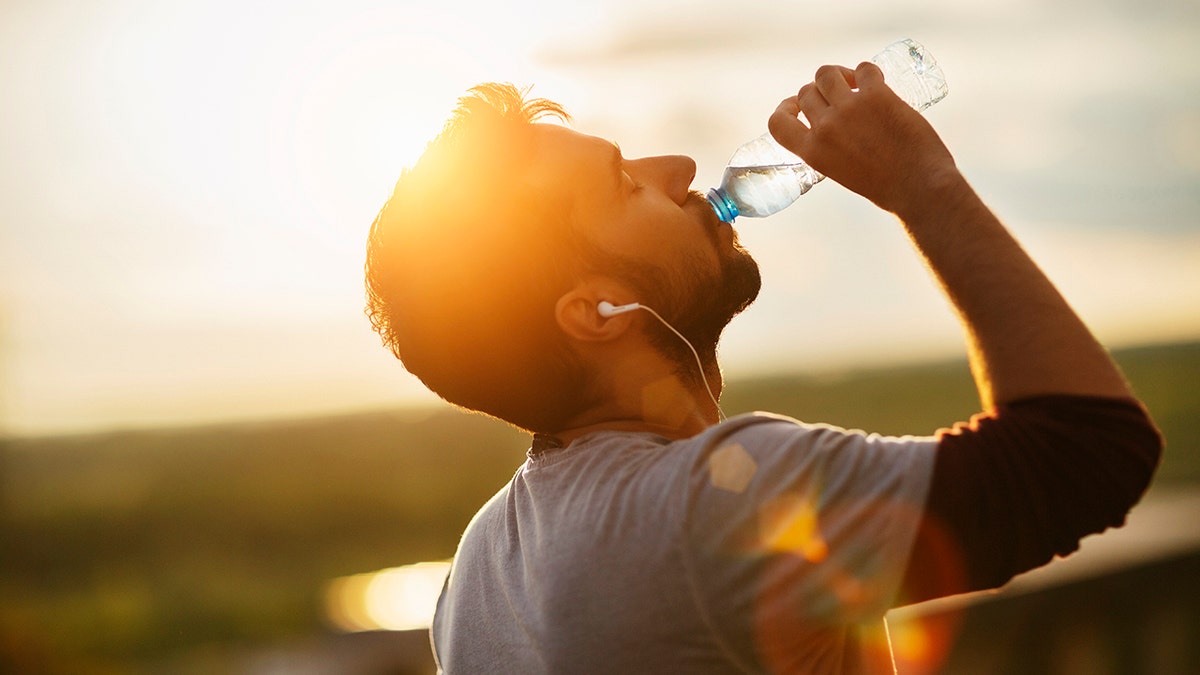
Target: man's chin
{"type": "Point", "coordinates": [743, 279]}
{"type": "Point", "coordinates": [740, 284]}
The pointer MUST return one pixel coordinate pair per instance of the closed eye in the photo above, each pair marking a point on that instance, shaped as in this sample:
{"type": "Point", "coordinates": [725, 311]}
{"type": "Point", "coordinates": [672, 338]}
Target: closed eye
{"type": "Point", "coordinates": [618, 167]}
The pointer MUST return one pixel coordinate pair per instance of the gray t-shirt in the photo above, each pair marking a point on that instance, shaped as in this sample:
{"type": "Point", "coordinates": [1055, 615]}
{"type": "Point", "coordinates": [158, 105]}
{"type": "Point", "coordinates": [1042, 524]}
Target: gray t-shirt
{"type": "Point", "coordinates": [760, 545]}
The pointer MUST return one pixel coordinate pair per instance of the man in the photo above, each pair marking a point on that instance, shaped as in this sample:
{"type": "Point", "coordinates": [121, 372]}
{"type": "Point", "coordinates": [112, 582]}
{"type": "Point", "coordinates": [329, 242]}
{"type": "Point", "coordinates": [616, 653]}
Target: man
{"type": "Point", "coordinates": [530, 272]}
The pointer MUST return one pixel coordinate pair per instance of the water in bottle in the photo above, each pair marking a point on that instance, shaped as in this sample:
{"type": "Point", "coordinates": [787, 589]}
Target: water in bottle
{"type": "Point", "coordinates": [763, 177]}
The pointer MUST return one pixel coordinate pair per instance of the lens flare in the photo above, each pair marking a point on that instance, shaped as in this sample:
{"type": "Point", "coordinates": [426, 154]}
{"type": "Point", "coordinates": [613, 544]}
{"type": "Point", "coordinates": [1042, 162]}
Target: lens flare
{"type": "Point", "coordinates": [788, 524]}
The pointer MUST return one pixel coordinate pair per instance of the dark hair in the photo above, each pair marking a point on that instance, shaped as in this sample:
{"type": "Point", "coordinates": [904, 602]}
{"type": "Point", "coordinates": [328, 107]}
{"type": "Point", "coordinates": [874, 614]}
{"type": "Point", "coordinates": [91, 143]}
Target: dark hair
{"type": "Point", "coordinates": [466, 260]}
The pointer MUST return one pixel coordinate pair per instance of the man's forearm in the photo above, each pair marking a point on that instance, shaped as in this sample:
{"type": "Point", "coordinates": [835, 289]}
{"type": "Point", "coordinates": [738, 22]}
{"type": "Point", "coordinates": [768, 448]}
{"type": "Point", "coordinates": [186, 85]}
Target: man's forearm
{"type": "Point", "coordinates": [1023, 338]}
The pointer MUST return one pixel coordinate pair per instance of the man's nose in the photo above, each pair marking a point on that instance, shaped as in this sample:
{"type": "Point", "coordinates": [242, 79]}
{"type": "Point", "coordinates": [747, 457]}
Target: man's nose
{"type": "Point", "coordinates": [673, 174]}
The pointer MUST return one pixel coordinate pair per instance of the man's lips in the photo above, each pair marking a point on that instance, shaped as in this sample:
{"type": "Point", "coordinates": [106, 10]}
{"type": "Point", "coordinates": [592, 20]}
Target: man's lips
{"type": "Point", "coordinates": [712, 224]}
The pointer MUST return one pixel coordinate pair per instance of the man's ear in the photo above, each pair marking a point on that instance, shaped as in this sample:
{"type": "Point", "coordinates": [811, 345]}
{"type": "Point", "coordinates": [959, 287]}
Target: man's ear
{"type": "Point", "coordinates": [578, 314]}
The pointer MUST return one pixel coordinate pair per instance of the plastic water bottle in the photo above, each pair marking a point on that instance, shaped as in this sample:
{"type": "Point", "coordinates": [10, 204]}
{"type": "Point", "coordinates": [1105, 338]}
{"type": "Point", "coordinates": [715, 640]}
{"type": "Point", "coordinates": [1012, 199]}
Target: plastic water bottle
{"type": "Point", "coordinates": [764, 178]}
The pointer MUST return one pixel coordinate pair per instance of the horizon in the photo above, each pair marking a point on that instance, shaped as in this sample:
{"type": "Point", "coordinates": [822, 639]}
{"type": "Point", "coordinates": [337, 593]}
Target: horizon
{"type": "Point", "coordinates": [424, 407]}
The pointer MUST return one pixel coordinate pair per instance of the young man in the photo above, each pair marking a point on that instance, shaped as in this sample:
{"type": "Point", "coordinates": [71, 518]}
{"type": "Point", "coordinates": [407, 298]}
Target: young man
{"type": "Point", "coordinates": [530, 272]}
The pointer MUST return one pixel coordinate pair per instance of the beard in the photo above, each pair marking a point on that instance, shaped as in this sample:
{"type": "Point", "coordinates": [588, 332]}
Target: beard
{"type": "Point", "coordinates": [706, 303]}
{"type": "Point", "coordinates": [703, 304]}
{"type": "Point", "coordinates": [696, 300]}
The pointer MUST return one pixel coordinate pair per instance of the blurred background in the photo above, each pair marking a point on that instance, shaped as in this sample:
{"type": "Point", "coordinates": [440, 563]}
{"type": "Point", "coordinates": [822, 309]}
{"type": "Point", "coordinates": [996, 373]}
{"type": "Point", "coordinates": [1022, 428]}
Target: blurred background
{"type": "Point", "coordinates": [209, 464]}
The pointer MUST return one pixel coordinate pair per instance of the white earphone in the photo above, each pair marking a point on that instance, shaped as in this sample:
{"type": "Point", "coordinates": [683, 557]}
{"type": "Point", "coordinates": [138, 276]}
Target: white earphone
{"type": "Point", "coordinates": [607, 309]}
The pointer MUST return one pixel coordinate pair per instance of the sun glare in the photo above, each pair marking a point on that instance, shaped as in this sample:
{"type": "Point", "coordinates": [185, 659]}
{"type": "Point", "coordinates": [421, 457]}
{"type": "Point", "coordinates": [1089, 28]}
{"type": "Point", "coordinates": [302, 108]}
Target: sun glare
{"type": "Point", "coordinates": [280, 114]}
{"type": "Point", "coordinates": [223, 162]}
{"type": "Point", "coordinates": [398, 598]}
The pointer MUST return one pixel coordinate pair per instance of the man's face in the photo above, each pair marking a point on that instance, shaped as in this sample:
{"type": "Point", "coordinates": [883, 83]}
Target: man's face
{"type": "Point", "coordinates": [650, 230]}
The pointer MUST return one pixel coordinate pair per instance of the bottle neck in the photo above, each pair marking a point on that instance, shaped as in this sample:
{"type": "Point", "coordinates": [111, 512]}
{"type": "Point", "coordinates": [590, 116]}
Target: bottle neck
{"type": "Point", "coordinates": [726, 210]}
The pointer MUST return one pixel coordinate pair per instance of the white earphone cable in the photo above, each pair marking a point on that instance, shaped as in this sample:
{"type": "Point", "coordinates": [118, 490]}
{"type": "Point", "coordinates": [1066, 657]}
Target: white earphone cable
{"type": "Point", "coordinates": [699, 363]}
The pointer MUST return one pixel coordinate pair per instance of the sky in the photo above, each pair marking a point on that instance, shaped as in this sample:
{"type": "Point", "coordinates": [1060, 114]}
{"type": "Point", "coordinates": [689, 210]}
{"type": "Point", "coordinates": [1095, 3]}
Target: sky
{"type": "Point", "coordinates": [186, 185]}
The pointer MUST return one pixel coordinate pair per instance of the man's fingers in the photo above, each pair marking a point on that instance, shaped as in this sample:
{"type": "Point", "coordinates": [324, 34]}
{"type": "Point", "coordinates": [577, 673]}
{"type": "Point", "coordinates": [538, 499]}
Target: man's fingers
{"type": "Point", "coordinates": [785, 125]}
{"type": "Point", "coordinates": [868, 75]}
{"type": "Point", "coordinates": [810, 99]}
{"type": "Point", "coordinates": [832, 86]}
{"type": "Point", "coordinates": [789, 106]}
{"type": "Point", "coordinates": [834, 82]}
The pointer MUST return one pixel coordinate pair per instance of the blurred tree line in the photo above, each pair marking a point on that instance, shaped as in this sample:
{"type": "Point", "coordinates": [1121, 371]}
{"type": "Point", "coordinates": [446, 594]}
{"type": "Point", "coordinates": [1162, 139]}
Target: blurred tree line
{"type": "Point", "coordinates": [131, 547]}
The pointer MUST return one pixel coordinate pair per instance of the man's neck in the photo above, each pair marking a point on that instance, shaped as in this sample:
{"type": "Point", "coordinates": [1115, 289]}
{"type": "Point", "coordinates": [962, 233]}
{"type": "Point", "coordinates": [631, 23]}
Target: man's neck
{"type": "Point", "coordinates": [662, 405]}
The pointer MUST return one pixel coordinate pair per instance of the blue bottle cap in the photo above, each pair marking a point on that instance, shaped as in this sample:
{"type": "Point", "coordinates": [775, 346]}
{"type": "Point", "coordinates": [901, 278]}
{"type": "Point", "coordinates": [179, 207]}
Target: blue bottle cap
{"type": "Point", "coordinates": [726, 210]}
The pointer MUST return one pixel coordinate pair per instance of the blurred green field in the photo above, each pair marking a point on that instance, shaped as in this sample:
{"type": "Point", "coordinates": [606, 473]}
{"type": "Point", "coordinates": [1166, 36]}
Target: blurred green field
{"type": "Point", "coordinates": [134, 547]}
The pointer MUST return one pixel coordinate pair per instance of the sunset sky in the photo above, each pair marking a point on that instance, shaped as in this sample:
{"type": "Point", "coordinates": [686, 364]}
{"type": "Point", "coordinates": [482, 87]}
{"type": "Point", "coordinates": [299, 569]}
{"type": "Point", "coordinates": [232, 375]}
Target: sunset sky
{"type": "Point", "coordinates": [187, 184]}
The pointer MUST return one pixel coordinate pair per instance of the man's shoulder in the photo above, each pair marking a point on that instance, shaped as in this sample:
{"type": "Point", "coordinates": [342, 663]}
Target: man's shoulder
{"type": "Point", "coordinates": [783, 449]}
{"type": "Point", "coordinates": [768, 431]}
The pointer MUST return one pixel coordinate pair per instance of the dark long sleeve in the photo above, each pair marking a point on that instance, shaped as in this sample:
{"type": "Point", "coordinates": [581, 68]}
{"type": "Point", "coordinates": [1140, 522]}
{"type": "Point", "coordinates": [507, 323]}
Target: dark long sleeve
{"type": "Point", "coordinates": [1012, 489]}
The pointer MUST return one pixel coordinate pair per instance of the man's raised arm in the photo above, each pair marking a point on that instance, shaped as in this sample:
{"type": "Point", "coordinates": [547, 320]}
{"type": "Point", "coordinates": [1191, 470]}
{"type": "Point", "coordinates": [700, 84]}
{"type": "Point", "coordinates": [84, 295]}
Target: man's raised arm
{"type": "Point", "coordinates": [1062, 449]}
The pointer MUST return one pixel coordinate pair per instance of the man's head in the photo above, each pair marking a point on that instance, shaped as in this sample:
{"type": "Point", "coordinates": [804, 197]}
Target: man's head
{"type": "Point", "coordinates": [471, 261]}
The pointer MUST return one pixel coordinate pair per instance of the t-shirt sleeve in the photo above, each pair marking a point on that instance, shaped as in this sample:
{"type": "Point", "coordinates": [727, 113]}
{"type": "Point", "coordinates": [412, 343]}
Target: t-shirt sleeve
{"type": "Point", "coordinates": [1012, 489]}
{"type": "Point", "coordinates": [795, 531]}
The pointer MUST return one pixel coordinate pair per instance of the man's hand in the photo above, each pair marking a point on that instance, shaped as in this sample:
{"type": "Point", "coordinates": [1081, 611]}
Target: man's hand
{"type": "Point", "coordinates": [1023, 339]}
{"type": "Point", "coordinates": [862, 135]}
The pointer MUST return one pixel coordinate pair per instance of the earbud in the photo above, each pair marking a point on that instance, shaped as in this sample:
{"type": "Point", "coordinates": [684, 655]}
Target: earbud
{"type": "Point", "coordinates": [607, 309]}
